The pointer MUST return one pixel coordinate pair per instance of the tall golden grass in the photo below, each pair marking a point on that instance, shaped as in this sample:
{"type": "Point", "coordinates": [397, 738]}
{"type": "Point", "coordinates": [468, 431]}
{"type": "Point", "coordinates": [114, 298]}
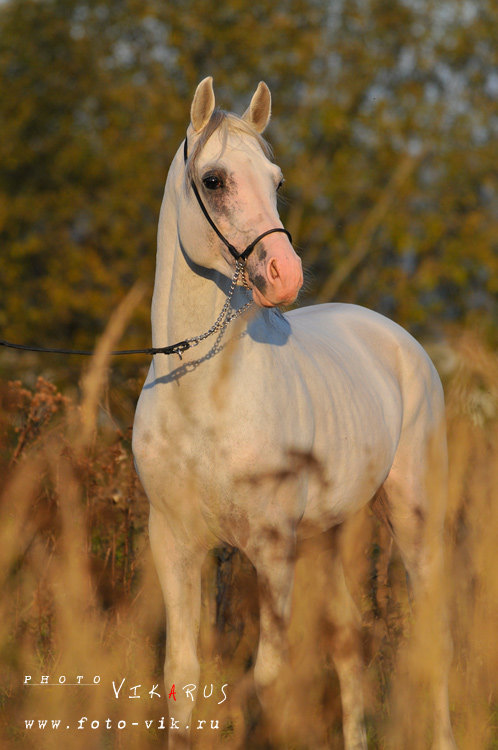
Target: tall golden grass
{"type": "Point", "coordinates": [80, 596]}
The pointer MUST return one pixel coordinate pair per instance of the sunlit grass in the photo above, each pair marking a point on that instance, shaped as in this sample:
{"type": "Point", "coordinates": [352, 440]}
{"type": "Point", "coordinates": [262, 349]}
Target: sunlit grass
{"type": "Point", "coordinates": [80, 595]}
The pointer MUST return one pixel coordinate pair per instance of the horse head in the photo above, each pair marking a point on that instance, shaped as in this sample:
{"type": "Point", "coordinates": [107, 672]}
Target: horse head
{"type": "Point", "coordinates": [228, 169]}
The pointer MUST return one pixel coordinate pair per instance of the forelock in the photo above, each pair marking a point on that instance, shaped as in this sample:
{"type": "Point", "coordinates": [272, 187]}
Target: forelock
{"type": "Point", "coordinates": [225, 122]}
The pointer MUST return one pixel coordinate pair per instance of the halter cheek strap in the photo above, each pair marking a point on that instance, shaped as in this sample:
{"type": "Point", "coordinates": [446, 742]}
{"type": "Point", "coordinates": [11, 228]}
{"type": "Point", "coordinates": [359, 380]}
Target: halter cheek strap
{"type": "Point", "coordinates": [243, 256]}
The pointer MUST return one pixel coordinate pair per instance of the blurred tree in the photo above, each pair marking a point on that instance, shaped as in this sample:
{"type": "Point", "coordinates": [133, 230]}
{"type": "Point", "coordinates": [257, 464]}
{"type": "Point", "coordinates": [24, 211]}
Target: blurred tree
{"type": "Point", "coordinates": [79, 183]}
{"type": "Point", "coordinates": [385, 122]}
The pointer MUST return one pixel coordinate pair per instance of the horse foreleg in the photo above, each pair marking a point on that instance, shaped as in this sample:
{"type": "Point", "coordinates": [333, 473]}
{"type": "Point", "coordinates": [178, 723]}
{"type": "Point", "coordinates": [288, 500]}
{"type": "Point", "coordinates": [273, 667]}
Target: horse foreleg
{"type": "Point", "coordinates": [273, 556]}
{"type": "Point", "coordinates": [178, 567]}
{"type": "Point", "coordinates": [344, 623]}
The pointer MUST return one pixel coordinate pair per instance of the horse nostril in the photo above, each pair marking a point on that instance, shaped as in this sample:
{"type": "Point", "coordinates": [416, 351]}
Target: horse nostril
{"type": "Point", "coordinates": [273, 270]}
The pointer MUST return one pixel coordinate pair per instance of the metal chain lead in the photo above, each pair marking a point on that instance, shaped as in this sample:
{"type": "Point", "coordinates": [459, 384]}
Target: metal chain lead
{"type": "Point", "coordinates": [225, 317]}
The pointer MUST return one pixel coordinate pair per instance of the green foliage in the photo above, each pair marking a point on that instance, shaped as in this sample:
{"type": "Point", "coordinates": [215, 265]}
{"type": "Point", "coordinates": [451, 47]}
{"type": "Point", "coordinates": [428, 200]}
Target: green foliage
{"type": "Point", "coordinates": [95, 101]}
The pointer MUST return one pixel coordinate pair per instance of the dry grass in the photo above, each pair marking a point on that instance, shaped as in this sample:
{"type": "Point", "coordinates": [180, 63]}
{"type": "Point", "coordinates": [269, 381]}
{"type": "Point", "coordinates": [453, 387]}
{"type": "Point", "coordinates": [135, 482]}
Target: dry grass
{"type": "Point", "coordinates": [80, 596]}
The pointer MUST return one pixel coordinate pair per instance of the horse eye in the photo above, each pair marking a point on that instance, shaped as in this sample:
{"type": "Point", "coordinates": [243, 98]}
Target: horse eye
{"type": "Point", "coordinates": [280, 183]}
{"type": "Point", "coordinates": [212, 182]}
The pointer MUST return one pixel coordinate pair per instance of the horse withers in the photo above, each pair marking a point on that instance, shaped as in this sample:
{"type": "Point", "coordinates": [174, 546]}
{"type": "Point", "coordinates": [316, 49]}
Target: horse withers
{"type": "Point", "coordinates": [221, 436]}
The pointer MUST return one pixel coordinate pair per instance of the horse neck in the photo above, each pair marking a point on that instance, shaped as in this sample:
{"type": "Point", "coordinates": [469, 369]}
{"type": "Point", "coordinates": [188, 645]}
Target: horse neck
{"type": "Point", "coordinates": [185, 303]}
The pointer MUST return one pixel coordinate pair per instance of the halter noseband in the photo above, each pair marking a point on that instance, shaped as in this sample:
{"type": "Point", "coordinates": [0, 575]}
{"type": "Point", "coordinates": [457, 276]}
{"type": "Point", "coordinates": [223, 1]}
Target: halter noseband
{"type": "Point", "coordinates": [243, 256]}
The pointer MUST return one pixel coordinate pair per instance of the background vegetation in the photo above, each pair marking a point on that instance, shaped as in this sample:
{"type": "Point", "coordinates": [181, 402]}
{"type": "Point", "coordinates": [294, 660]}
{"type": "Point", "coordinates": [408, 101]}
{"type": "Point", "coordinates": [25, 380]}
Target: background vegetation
{"type": "Point", "coordinates": [385, 124]}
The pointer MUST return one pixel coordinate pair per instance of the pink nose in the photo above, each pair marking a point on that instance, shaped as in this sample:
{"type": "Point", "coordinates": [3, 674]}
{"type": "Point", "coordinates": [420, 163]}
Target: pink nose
{"type": "Point", "coordinates": [282, 280]}
{"type": "Point", "coordinates": [285, 278]}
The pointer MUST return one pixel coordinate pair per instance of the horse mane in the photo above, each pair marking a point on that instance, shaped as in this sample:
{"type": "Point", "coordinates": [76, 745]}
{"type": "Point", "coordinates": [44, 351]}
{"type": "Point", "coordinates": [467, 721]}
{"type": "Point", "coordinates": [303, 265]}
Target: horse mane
{"type": "Point", "coordinates": [227, 122]}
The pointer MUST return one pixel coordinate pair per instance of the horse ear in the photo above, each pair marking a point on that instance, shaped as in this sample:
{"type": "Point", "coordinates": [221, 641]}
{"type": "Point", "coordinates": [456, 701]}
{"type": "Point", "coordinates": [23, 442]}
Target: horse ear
{"type": "Point", "coordinates": [202, 104]}
{"type": "Point", "coordinates": [259, 110]}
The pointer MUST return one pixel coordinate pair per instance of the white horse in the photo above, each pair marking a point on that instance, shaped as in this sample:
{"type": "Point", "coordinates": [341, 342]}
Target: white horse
{"type": "Point", "coordinates": [286, 425]}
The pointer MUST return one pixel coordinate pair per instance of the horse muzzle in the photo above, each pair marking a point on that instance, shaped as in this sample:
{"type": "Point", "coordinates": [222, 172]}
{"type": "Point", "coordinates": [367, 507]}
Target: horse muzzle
{"type": "Point", "coordinates": [277, 278]}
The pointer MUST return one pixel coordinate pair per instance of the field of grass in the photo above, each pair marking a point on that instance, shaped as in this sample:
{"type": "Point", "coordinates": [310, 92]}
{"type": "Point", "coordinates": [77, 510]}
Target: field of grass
{"type": "Point", "coordinates": [81, 599]}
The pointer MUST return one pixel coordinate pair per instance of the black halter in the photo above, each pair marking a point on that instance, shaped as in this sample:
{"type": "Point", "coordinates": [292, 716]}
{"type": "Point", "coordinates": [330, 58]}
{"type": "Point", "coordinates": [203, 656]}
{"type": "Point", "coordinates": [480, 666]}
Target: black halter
{"type": "Point", "coordinates": [243, 256]}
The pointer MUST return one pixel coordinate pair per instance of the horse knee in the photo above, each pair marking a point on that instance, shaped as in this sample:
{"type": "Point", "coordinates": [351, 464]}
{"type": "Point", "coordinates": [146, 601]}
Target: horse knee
{"type": "Point", "coordinates": [342, 622]}
{"type": "Point", "coordinates": [181, 669]}
{"type": "Point", "coordinates": [269, 664]}
{"type": "Point", "coordinates": [345, 642]}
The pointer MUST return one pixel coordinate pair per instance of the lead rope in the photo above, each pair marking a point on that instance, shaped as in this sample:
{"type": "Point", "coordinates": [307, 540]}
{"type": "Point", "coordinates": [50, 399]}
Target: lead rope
{"type": "Point", "coordinates": [224, 318]}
